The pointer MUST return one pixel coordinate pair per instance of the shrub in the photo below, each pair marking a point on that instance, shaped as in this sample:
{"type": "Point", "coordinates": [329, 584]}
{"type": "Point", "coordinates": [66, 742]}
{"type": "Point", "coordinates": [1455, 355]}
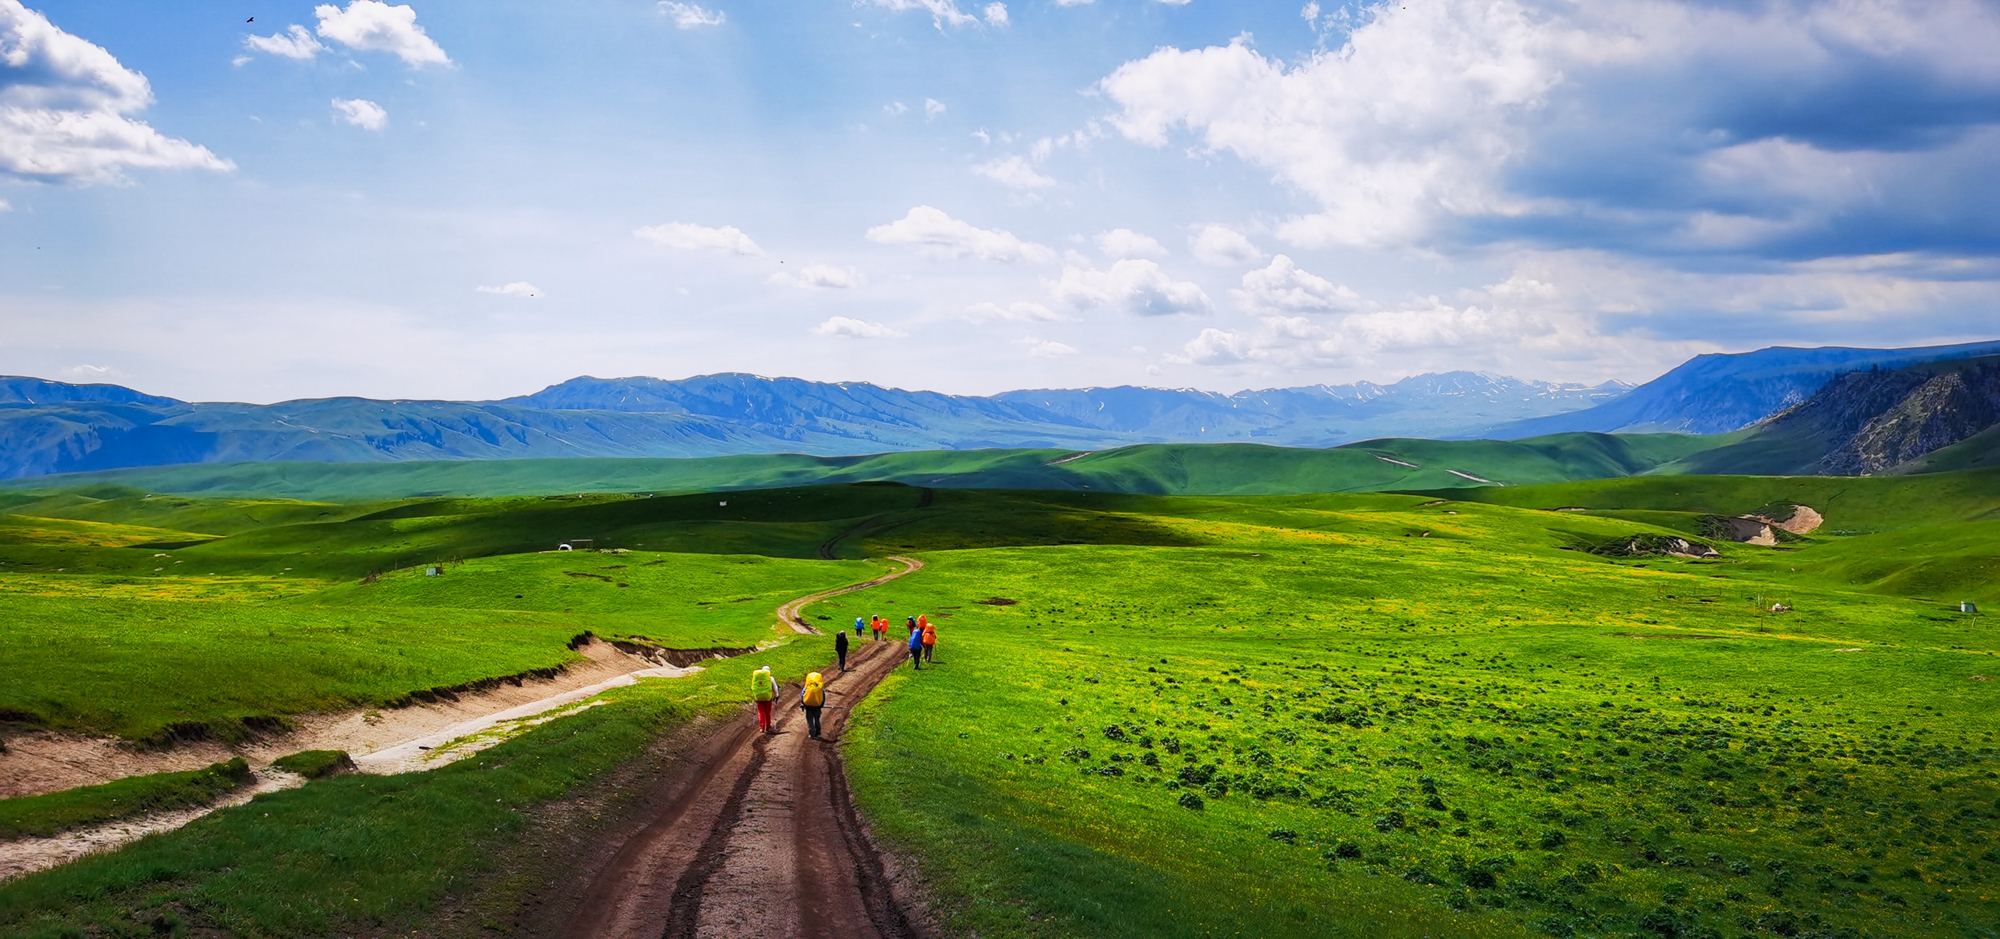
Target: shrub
{"type": "Point", "coordinates": [1189, 800]}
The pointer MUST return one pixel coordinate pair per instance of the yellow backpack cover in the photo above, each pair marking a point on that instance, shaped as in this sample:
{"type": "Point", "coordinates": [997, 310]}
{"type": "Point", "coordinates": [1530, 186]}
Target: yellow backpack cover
{"type": "Point", "coordinates": [815, 690]}
{"type": "Point", "coordinates": [760, 684]}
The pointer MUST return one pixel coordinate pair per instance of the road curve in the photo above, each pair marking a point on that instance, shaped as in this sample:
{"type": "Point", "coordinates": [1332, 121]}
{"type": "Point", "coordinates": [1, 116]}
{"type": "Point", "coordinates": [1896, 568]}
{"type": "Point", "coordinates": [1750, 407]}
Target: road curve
{"type": "Point", "coordinates": [788, 615]}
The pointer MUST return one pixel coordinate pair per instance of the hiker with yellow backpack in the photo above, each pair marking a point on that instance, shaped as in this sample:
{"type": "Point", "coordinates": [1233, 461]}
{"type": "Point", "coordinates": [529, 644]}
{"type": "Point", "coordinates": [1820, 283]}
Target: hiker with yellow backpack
{"type": "Point", "coordinates": [811, 700]}
{"type": "Point", "coordinates": [764, 690]}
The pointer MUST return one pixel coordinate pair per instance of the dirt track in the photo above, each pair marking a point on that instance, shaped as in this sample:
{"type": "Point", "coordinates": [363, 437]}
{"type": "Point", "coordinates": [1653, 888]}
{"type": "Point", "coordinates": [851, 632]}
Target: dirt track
{"type": "Point", "coordinates": [758, 838]}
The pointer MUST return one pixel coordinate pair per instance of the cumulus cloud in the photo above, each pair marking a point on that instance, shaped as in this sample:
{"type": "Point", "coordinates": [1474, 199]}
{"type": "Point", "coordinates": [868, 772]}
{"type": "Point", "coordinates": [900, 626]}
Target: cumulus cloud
{"type": "Point", "coordinates": [1284, 287]}
{"type": "Point", "coordinates": [65, 106]}
{"type": "Point", "coordinates": [374, 26]}
{"type": "Point", "coordinates": [996, 14]}
{"type": "Point", "coordinates": [361, 112]}
{"type": "Point", "coordinates": [1013, 173]}
{"type": "Point", "coordinates": [933, 107]}
{"type": "Point", "coordinates": [937, 235]}
{"type": "Point", "coordinates": [294, 43]}
{"type": "Point", "coordinates": [1131, 285]}
{"type": "Point", "coordinates": [852, 328]}
{"type": "Point", "coordinates": [943, 12]}
{"type": "Point", "coordinates": [685, 236]}
{"type": "Point", "coordinates": [691, 16]}
{"type": "Point", "coordinates": [1223, 247]}
{"type": "Point", "coordinates": [1020, 312]}
{"type": "Point", "coordinates": [820, 277]}
{"type": "Point", "coordinates": [1126, 243]}
{"type": "Point", "coordinates": [519, 288]}
{"type": "Point", "coordinates": [88, 372]}
{"type": "Point", "coordinates": [1047, 348]}
{"type": "Point", "coordinates": [1472, 121]}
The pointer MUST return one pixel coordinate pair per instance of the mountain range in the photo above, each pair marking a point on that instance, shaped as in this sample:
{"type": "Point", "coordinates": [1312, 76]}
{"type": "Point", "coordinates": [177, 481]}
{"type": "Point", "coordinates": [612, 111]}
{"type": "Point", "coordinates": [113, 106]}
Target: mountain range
{"type": "Point", "coordinates": [49, 427]}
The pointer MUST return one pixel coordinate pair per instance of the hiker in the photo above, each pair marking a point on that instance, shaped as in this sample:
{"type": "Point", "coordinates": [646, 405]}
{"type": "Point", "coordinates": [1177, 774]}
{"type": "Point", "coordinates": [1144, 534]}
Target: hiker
{"type": "Point", "coordinates": [912, 624]}
{"type": "Point", "coordinates": [840, 649]}
{"type": "Point", "coordinates": [916, 646]}
{"type": "Point", "coordinates": [929, 634]}
{"type": "Point", "coordinates": [857, 627]}
{"type": "Point", "coordinates": [812, 699]}
{"type": "Point", "coordinates": [763, 690]}
{"type": "Point", "coordinates": [881, 629]}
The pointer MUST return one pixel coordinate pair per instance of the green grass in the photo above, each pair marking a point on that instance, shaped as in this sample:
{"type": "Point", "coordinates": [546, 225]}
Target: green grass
{"type": "Point", "coordinates": [1404, 715]}
{"type": "Point", "coordinates": [1614, 747]}
{"type": "Point", "coordinates": [153, 659]}
{"type": "Point", "coordinates": [1190, 469]}
{"type": "Point", "coordinates": [55, 812]}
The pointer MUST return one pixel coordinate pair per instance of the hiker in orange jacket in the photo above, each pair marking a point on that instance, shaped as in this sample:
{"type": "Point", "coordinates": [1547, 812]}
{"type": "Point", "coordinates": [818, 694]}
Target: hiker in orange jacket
{"type": "Point", "coordinates": [930, 638]}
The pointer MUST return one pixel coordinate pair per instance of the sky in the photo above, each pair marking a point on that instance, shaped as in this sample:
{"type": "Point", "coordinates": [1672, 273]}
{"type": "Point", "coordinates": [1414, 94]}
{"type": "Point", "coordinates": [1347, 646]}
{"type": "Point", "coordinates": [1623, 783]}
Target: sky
{"type": "Point", "coordinates": [261, 200]}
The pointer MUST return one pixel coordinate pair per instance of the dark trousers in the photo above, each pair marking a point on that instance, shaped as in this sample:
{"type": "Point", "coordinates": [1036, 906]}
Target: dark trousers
{"type": "Point", "coordinates": [916, 658]}
{"type": "Point", "coordinates": [812, 719]}
{"type": "Point", "coordinates": [927, 651]}
{"type": "Point", "coordinates": [843, 658]}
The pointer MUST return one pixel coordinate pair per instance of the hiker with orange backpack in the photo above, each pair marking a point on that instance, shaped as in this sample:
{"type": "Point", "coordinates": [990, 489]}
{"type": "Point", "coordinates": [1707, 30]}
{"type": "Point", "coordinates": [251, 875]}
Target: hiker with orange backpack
{"type": "Point", "coordinates": [811, 699]}
{"type": "Point", "coordinates": [929, 633]}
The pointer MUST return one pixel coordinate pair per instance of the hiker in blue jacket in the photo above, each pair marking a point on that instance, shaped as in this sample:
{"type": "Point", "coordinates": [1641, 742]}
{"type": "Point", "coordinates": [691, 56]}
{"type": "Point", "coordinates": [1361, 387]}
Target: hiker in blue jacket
{"type": "Point", "coordinates": [916, 645]}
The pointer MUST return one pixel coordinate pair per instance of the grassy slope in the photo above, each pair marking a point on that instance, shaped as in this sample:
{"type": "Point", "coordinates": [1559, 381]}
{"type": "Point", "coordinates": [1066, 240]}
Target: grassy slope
{"type": "Point", "coordinates": [132, 657]}
{"type": "Point", "coordinates": [1746, 774]}
{"type": "Point", "coordinates": [1163, 468]}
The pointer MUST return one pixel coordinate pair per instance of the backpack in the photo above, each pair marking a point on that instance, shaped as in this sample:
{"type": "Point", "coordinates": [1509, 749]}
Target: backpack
{"type": "Point", "coordinates": [815, 691]}
{"type": "Point", "coordinates": [760, 684]}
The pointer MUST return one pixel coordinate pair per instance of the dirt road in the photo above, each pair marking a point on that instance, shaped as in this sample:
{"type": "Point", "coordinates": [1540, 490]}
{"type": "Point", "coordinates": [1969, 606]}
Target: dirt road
{"type": "Point", "coordinates": [758, 838]}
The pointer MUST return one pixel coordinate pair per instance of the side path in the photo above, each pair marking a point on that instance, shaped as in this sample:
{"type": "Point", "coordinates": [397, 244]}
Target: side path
{"type": "Point", "coordinates": [758, 838]}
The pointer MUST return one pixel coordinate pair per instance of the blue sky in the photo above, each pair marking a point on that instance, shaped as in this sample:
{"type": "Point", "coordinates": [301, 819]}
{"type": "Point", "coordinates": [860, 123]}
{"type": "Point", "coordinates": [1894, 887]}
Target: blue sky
{"type": "Point", "coordinates": [479, 199]}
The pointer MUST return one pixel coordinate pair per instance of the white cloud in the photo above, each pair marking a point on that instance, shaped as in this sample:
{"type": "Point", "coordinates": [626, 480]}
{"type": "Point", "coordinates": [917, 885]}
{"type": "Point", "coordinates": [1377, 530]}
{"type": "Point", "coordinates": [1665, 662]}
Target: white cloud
{"type": "Point", "coordinates": [1132, 285]}
{"type": "Point", "coordinates": [88, 372]}
{"type": "Point", "coordinates": [372, 25]}
{"type": "Point", "coordinates": [1073, 3]}
{"type": "Point", "coordinates": [1013, 173]}
{"type": "Point", "coordinates": [895, 107]}
{"type": "Point", "coordinates": [820, 276]}
{"type": "Point", "coordinates": [1174, 3]}
{"type": "Point", "coordinates": [933, 107]}
{"type": "Point", "coordinates": [1126, 243]}
{"type": "Point", "coordinates": [938, 235]}
{"type": "Point", "coordinates": [996, 14]}
{"type": "Point", "coordinates": [63, 110]}
{"type": "Point", "coordinates": [1047, 348]}
{"type": "Point", "coordinates": [1284, 288]}
{"type": "Point", "coordinates": [943, 12]}
{"type": "Point", "coordinates": [6, 206]}
{"type": "Point", "coordinates": [855, 329]}
{"type": "Point", "coordinates": [1020, 312]}
{"type": "Point", "coordinates": [691, 16]}
{"type": "Point", "coordinates": [682, 236]}
{"type": "Point", "coordinates": [1212, 347]}
{"type": "Point", "coordinates": [361, 112]}
{"type": "Point", "coordinates": [1223, 247]}
{"type": "Point", "coordinates": [519, 288]}
{"type": "Point", "coordinates": [294, 43]}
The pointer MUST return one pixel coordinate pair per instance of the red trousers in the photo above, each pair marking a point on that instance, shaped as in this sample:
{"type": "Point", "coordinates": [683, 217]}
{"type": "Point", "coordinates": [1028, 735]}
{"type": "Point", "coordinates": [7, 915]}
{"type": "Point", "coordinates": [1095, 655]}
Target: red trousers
{"type": "Point", "coordinates": [763, 715]}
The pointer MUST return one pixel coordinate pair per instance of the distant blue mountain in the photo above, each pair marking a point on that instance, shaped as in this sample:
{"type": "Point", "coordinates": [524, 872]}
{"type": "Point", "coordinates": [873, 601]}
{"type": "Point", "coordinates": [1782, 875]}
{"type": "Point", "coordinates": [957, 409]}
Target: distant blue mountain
{"type": "Point", "coordinates": [51, 427]}
{"type": "Point", "coordinates": [1714, 394]}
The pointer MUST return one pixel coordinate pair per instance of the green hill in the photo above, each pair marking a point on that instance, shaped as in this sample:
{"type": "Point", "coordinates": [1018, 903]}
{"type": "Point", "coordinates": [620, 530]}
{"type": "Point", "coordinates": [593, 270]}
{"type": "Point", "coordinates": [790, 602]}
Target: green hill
{"type": "Point", "coordinates": [1164, 469]}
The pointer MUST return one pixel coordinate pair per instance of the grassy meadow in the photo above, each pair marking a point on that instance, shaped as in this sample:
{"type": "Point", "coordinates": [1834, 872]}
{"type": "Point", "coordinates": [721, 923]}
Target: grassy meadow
{"type": "Point", "coordinates": [1307, 715]}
